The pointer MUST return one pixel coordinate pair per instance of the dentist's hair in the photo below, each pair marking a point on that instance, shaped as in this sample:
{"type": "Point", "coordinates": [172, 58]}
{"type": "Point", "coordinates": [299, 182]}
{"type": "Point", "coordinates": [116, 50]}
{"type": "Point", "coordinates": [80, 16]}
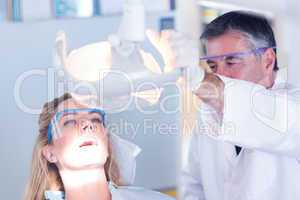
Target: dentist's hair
{"type": "Point", "coordinates": [45, 175]}
{"type": "Point", "coordinates": [256, 29]}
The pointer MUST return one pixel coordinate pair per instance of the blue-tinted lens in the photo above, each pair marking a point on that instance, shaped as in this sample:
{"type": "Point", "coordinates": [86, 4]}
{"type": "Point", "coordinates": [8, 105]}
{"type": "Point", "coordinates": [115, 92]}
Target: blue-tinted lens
{"type": "Point", "coordinates": [57, 117]}
{"type": "Point", "coordinates": [236, 54]}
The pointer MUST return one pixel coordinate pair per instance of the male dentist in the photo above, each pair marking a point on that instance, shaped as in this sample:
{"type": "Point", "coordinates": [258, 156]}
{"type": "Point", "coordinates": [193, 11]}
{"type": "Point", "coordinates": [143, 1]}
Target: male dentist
{"type": "Point", "coordinates": [247, 142]}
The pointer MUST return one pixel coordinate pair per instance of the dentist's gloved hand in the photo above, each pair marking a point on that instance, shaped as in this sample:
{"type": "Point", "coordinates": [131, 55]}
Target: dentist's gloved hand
{"type": "Point", "coordinates": [179, 51]}
{"type": "Point", "coordinates": [211, 92]}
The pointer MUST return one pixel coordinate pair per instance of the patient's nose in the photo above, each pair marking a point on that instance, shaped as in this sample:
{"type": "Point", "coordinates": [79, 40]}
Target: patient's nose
{"type": "Point", "coordinates": [86, 126]}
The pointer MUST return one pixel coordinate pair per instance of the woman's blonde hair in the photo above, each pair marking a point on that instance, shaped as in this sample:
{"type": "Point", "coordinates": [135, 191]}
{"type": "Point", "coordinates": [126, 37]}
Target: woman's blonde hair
{"type": "Point", "coordinates": [45, 175]}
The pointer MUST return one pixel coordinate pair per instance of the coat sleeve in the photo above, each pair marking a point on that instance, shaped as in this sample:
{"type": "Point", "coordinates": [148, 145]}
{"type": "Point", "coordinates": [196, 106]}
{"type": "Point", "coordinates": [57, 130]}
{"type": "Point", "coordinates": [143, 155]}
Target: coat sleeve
{"type": "Point", "coordinates": [258, 118]}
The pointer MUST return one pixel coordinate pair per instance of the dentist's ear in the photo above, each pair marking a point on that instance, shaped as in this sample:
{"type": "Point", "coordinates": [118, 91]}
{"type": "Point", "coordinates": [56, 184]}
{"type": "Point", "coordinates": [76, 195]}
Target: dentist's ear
{"type": "Point", "coordinates": [269, 60]}
{"type": "Point", "coordinates": [48, 154]}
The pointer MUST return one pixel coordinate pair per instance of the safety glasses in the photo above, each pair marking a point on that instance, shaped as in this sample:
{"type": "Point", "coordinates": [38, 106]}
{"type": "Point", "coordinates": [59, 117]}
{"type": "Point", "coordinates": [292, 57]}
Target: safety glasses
{"type": "Point", "coordinates": [89, 119]}
{"type": "Point", "coordinates": [235, 58]}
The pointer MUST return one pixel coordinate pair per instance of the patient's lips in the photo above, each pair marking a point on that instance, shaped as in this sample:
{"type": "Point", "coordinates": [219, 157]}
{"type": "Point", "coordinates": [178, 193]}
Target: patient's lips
{"type": "Point", "coordinates": [88, 143]}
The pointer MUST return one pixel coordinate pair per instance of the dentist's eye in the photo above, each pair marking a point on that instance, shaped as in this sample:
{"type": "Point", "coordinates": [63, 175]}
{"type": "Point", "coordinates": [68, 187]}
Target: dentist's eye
{"type": "Point", "coordinates": [212, 65]}
{"type": "Point", "coordinates": [70, 122]}
{"type": "Point", "coordinates": [232, 60]}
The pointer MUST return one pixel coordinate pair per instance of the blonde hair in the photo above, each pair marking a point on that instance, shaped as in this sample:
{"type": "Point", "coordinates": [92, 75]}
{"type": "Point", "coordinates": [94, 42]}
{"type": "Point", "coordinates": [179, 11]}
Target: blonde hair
{"type": "Point", "coordinates": [45, 175]}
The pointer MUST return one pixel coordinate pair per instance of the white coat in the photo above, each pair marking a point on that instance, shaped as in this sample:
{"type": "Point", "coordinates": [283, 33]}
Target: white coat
{"type": "Point", "coordinates": [266, 123]}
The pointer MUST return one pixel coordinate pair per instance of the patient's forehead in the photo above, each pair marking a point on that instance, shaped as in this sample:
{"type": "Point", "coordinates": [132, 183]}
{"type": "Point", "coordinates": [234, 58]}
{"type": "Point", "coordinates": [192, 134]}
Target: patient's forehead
{"type": "Point", "coordinates": [70, 104]}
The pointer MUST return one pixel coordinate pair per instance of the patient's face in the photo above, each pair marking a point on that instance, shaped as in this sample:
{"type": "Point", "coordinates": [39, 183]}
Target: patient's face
{"type": "Point", "coordinates": [80, 140]}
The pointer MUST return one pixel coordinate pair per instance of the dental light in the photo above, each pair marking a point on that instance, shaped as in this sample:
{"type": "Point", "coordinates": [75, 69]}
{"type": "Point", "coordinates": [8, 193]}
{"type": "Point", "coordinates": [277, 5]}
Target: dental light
{"type": "Point", "coordinates": [118, 67]}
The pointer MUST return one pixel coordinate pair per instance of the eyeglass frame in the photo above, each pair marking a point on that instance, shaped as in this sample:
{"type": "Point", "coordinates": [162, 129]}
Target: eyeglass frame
{"type": "Point", "coordinates": [59, 114]}
{"type": "Point", "coordinates": [242, 54]}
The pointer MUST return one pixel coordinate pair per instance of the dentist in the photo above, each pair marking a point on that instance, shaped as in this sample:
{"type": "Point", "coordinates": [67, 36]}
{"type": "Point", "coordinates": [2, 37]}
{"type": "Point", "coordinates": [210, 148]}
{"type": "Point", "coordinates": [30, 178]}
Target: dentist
{"type": "Point", "coordinates": [246, 144]}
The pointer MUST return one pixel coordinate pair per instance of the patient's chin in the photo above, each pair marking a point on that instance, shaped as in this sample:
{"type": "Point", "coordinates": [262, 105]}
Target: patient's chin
{"type": "Point", "coordinates": [84, 164]}
{"type": "Point", "coordinates": [85, 157]}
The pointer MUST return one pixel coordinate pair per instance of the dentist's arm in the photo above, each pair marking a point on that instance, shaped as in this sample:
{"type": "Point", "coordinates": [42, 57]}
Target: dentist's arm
{"type": "Point", "coordinates": [262, 119]}
{"type": "Point", "coordinates": [257, 118]}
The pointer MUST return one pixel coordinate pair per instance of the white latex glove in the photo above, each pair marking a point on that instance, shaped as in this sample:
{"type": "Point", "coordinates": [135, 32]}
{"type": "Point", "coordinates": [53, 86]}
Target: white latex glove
{"type": "Point", "coordinates": [179, 51]}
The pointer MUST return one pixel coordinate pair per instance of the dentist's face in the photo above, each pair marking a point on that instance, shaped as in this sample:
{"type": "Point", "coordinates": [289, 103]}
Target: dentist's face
{"type": "Point", "coordinates": [247, 66]}
{"type": "Point", "coordinates": [81, 141]}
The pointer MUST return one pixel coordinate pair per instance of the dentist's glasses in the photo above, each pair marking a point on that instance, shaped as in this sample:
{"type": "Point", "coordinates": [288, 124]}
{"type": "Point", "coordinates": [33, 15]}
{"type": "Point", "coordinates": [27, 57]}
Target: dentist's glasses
{"type": "Point", "coordinates": [71, 119]}
{"type": "Point", "coordinates": [232, 60]}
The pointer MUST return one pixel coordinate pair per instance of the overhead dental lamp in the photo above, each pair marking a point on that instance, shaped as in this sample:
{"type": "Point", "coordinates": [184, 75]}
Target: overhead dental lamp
{"type": "Point", "coordinates": [118, 67]}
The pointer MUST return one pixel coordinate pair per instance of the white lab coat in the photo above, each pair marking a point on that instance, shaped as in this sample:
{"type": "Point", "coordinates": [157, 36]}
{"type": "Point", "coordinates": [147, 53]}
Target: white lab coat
{"type": "Point", "coordinates": [266, 124]}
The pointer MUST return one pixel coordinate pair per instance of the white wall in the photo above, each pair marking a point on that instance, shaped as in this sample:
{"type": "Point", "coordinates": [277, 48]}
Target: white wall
{"type": "Point", "coordinates": [25, 46]}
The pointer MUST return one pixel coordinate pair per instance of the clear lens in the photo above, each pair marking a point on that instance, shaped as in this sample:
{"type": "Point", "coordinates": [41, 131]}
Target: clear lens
{"type": "Point", "coordinates": [71, 120]}
{"type": "Point", "coordinates": [231, 60]}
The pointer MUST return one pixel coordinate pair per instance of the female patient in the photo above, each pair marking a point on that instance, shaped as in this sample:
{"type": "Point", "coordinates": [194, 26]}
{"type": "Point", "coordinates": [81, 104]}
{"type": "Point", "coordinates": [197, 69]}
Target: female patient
{"type": "Point", "coordinates": [72, 157]}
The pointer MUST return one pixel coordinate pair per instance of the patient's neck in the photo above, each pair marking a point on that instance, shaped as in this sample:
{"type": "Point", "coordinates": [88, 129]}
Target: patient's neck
{"type": "Point", "coordinates": [85, 184]}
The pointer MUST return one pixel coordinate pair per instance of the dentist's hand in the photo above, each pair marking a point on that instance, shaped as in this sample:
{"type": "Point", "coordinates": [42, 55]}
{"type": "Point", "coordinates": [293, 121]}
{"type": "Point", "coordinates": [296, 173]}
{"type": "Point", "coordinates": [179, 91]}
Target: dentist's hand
{"type": "Point", "coordinates": [179, 51]}
{"type": "Point", "coordinates": [211, 92]}
{"type": "Point", "coordinates": [176, 49]}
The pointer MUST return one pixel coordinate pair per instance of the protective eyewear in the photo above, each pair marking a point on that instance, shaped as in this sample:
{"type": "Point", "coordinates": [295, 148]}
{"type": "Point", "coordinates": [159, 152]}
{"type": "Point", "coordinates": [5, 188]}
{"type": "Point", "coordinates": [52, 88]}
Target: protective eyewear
{"type": "Point", "coordinates": [88, 119]}
{"type": "Point", "coordinates": [234, 58]}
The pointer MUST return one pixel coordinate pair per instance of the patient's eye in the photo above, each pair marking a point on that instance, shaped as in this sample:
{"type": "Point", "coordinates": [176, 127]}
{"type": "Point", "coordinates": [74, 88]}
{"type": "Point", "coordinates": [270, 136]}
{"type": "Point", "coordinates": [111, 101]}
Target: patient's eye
{"type": "Point", "coordinates": [97, 120]}
{"type": "Point", "coordinates": [69, 123]}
